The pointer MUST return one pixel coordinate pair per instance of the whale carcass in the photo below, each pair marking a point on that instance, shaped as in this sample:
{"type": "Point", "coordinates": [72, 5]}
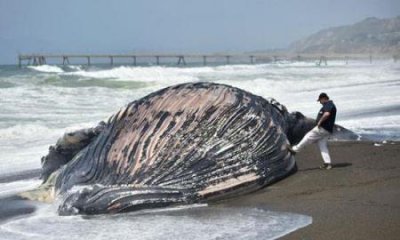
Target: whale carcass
{"type": "Point", "coordinates": [189, 143]}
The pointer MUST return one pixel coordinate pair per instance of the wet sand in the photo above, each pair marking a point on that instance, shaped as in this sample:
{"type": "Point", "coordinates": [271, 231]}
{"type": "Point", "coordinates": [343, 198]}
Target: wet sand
{"type": "Point", "coordinates": [14, 206]}
{"type": "Point", "coordinates": [358, 199]}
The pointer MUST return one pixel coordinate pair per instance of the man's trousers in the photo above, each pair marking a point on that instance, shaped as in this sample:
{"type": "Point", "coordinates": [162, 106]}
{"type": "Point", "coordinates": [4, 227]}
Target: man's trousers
{"type": "Point", "coordinates": [316, 135]}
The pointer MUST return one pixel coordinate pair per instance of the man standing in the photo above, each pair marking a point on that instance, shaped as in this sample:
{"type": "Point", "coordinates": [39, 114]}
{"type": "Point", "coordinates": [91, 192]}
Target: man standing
{"type": "Point", "coordinates": [320, 134]}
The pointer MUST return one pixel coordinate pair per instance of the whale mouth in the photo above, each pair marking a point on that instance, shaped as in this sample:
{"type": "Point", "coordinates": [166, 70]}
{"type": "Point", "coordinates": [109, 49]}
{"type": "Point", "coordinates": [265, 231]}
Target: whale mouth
{"type": "Point", "coordinates": [190, 222]}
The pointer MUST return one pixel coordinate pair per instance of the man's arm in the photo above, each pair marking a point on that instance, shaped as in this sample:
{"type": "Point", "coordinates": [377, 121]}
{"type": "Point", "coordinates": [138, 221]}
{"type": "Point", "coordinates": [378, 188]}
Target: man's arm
{"type": "Point", "coordinates": [323, 118]}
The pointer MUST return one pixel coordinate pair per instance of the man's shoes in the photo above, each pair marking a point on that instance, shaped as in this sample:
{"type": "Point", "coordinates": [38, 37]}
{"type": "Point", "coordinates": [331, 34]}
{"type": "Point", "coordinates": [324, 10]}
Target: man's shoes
{"type": "Point", "coordinates": [326, 166]}
{"type": "Point", "coordinates": [290, 149]}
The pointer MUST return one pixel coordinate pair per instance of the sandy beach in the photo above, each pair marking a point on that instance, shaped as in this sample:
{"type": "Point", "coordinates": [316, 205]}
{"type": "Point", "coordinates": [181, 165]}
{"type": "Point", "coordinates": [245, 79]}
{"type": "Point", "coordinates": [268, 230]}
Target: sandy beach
{"type": "Point", "coordinates": [357, 199]}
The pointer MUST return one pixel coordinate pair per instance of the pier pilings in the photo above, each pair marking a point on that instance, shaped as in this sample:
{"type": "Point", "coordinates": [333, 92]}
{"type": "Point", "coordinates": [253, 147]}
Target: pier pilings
{"type": "Point", "coordinates": [216, 58]}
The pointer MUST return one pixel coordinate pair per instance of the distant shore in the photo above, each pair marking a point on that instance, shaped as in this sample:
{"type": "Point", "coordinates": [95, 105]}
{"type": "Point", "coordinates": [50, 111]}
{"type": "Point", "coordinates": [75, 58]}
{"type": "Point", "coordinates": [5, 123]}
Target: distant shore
{"type": "Point", "coordinates": [357, 199]}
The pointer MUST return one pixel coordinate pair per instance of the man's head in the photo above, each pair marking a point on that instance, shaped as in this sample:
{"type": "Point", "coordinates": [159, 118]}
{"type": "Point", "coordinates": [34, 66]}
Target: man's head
{"type": "Point", "coordinates": [323, 98]}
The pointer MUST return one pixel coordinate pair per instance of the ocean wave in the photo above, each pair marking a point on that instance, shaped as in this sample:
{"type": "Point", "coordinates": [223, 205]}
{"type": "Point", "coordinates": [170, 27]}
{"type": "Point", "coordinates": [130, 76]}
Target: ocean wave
{"type": "Point", "coordinates": [173, 75]}
{"type": "Point", "coordinates": [24, 131]}
{"type": "Point", "coordinates": [372, 122]}
{"type": "Point", "coordinates": [142, 74]}
{"type": "Point", "coordinates": [22, 145]}
{"type": "Point", "coordinates": [47, 69]}
{"type": "Point", "coordinates": [307, 71]}
{"type": "Point", "coordinates": [21, 134]}
{"type": "Point", "coordinates": [75, 67]}
{"type": "Point", "coordinates": [79, 82]}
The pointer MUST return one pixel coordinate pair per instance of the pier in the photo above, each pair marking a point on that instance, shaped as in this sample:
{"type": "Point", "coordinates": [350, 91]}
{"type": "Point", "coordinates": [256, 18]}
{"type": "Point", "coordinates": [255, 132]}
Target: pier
{"type": "Point", "coordinates": [182, 59]}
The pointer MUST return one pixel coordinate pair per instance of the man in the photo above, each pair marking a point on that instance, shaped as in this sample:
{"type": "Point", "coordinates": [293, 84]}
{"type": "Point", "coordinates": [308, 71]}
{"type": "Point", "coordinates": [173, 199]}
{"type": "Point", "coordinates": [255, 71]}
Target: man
{"type": "Point", "coordinates": [320, 134]}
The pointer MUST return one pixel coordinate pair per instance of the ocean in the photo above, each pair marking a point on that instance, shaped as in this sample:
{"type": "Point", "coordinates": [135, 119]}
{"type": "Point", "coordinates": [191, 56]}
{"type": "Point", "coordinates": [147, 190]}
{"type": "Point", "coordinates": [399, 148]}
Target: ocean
{"type": "Point", "coordinates": [39, 103]}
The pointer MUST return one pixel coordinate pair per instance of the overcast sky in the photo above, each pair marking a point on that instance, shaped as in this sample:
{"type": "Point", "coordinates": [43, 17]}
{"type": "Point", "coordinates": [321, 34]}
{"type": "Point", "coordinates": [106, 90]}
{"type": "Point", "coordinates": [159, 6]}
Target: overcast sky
{"type": "Point", "coordinates": [123, 26]}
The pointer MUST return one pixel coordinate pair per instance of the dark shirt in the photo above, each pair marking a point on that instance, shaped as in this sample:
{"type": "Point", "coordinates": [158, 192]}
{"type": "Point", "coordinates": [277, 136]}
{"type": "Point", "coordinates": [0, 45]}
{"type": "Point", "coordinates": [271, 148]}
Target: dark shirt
{"type": "Point", "coordinates": [330, 121]}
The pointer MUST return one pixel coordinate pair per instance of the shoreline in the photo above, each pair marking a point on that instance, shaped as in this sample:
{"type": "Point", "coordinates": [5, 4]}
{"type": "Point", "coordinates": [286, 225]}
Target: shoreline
{"type": "Point", "coordinates": [357, 199]}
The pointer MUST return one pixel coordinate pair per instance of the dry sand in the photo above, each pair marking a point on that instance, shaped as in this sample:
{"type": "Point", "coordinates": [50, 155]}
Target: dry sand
{"type": "Point", "coordinates": [358, 199]}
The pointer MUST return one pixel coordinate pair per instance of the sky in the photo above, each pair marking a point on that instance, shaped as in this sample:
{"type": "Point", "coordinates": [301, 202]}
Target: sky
{"type": "Point", "coordinates": [126, 26]}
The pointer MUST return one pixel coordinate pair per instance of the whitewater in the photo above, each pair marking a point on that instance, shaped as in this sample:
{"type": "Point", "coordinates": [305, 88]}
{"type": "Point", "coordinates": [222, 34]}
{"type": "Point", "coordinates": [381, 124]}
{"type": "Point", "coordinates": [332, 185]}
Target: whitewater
{"type": "Point", "coordinates": [39, 103]}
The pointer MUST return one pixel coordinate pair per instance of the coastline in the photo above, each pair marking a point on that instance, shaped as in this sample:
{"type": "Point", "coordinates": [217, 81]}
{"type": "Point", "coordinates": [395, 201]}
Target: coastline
{"type": "Point", "coordinates": [357, 199]}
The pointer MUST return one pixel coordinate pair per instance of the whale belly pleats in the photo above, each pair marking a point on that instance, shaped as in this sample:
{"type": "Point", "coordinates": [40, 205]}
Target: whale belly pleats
{"type": "Point", "coordinates": [186, 143]}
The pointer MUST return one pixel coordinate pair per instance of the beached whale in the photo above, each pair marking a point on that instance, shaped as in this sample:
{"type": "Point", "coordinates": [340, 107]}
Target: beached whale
{"type": "Point", "coordinates": [189, 143]}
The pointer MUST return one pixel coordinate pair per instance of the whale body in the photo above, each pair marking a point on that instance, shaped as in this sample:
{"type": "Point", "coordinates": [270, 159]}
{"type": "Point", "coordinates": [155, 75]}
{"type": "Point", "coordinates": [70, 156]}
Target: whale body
{"type": "Point", "coordinates": [189, 143]}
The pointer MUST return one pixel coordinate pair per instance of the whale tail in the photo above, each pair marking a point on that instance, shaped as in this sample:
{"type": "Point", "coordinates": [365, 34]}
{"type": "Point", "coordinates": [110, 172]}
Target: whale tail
{"type": "Point", "coordinates": [100, 199]}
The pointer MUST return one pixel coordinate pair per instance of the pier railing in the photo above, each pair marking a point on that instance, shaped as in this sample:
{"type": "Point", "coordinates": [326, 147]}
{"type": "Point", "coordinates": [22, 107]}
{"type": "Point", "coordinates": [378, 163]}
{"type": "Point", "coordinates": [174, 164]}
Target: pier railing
{"type": "Point", "coordinates": [182, 59]}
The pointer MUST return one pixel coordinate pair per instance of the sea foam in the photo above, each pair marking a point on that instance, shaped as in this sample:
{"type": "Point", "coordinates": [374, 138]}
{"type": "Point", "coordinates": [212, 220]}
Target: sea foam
{"type": "Point", "coordinates": [179, 223]}
{"type": "Point", "coordinates": [47, 69]}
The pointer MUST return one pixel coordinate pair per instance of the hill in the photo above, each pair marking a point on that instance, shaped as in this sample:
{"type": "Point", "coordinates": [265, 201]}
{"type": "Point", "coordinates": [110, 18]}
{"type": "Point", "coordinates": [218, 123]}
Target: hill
{"type": "Point", "coordinates": [372, 35]}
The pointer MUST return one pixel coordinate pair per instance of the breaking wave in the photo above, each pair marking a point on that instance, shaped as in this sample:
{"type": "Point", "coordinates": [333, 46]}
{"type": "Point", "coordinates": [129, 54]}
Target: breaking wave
{"type": "Point", "coordinates": [47, 69]}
